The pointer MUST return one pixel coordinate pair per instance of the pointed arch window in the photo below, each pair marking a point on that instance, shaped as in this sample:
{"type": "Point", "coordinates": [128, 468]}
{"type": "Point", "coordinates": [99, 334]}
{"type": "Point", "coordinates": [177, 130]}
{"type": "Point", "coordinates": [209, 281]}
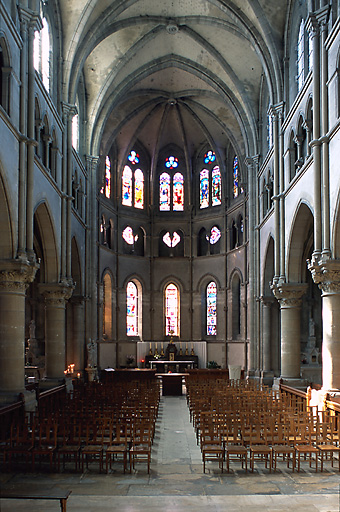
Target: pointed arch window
{"type": "Point", "coordinates": [164, 192]}
{"type": "Point", "coordinates": [237, 189]}
{"type": "Point", "coordinates": [211, 314]}
{"type": "Point", "coordinates": [127, 186]}
{"type": "Point", "coordinates": [139, 189]}
{"type": "Point", "coordinates": [210, 182]}
{"type": "Point", "coordinates": [204, 188]}
{"type": "Point", "coordinates": [178, 192]}
{"type": "Point", "coordinates": [171, 310]}
{"type": "Point", "coordinates": [300, 55]}
{"type": "Point", "coordinates": [131, 309]}
{"type": "Point", "coordinates": [107, 187]}
{"type": "Point", "coordinates": [107, 306]}
{"type": "Point", "coordinates": [41, 53]}
{"type": "Point", "coordinates": [216, 186]}
{"type": "Point", "coordinates": [133, 183]}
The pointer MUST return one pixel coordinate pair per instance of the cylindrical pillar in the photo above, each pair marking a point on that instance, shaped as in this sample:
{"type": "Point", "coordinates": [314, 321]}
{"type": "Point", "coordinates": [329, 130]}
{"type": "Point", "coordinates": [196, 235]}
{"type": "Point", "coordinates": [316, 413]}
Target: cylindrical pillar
{"type": "Point", "coordinates": [13, 284]}
{"type": "Point", "coordinates": [289, 296]}
{"type": "Point", "coordinates": [266, 334]}
{"type": "Point", "coordinates": [78, 334]}
{"type": "Point", "coordinates": [331, 341]}
{"type": "Point", "coordinates": [55, 321]}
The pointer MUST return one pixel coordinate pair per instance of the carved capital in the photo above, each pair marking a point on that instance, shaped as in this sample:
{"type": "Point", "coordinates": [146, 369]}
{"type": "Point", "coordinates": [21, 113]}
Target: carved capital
{"type": "Point", "coordinates": [16, 275]}
{"type": "Point", "coordinates": [289, 295]}
{"type": "Point", "coordinates": [326, 274]}
{"type": "Point", "coordinates": [56, 294]}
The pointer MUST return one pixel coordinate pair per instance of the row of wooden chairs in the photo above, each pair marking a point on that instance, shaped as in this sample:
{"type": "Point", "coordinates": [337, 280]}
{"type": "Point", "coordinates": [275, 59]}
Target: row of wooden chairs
{"type": "Point", "coordinates": [249, 424]}
{"type": "Point", "coordinates": [89, 430]}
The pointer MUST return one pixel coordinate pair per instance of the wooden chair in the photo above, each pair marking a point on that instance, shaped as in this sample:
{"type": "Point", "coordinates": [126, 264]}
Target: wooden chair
{"type": "Point", "coordinates": [21, 442]}
{"type": "Point", "coordinates": [141, 446]}
{"type": "Point", "coordinates": [93, 449]}
{"type": "Point", "coordinates": [212, 449]}
{"type": "Point", "coordinates": [46, 443]}
{"type": "Point", "coordinates": [259, 449]}
{"type": "Point", "coordinates": [305, 445]}
{"type": "Point", "coordinates": [233, 446]}
{"type": "Point", "coordinates": [281, 447]}
{"type": "Point", "coordinates": [118, 446]}
{"type": "Point", "coordinates": [70, 447]}
{"type": "Point", "coordinates": [326, 444]}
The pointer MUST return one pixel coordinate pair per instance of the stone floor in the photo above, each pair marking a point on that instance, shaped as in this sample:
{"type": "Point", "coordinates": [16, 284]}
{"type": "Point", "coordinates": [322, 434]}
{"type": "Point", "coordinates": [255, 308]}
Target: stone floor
{"type": "Point", "coordinates": [177, 483]}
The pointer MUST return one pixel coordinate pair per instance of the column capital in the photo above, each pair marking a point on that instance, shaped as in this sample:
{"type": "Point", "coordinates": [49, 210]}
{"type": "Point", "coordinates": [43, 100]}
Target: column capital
{"type": "Point", "coordinates": [289, 295]}
{"type": "Point", "coordinates": [266, 301]}
{"type": "Point", "coordinates": [56, 294]}
{"type": "Point", "coordinates": [276, 111]}
{"type": "Point", "coordinates": [16, 275]}
{"type": "Point", "coordinates": [69, 110]}
{"type": "Point", "coordinates": [326, 274]}
{"type": "Point", "coordinates": [29, 18]}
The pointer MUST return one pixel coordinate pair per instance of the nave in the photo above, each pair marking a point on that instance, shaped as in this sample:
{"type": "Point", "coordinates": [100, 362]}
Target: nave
{"type": "Point", "coordinates": [176, 482]}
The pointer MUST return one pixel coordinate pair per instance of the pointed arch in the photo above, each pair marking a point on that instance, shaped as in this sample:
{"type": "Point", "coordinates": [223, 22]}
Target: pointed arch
{"type": "Point", "coordinates": [302, 231]}
{"type": "Point", "coordinates": [44, 233]}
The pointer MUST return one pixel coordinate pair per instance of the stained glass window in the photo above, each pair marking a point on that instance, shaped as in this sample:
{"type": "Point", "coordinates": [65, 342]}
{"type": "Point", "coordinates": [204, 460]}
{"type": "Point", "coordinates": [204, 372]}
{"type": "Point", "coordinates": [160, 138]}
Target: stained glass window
{"type": "Point", "coordinates": [204, 188]}
{"type": "Point", "coordinates": [236, 177]}
{"type": "Point", "coordinates": [215, 235]}
{"type": "Point", "coordinates": [216, 186]}
{"type": "Point", "coordinates": [211, 308]}
{"type": "Point", "coordinates": [178, 192]}
{"type": "Point", "coordinates": [300, 55]}
{"type": "Point", "coordinates": [139, 189]}
{"type": "Point", "coordinates": [131, 309]}
{"type": "Point", "coordinates": [133, 158]}
{"type": "Point", "coordinates": [209, 157]}
{"type": "Point", "coordinates": [171, 241]}
{"type": "Point", "coordinates": [107, 177]}
{"type": "Point", "coordinates": [164, 192]}
{"type": "Point", "coordinates": [171, 162]}
{"type": "Point", "coordinates": [127, 186]}
{"type": "Point", "coordinates": [128, 236]}
{"type": "Point", "coordinates": [171, 310]}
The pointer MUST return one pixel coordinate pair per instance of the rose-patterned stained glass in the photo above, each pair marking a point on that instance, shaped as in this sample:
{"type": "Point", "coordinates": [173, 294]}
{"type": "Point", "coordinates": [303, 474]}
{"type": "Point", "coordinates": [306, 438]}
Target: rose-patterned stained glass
{"type": "Point", "coordinates": [236, 177]}
{"type": "Point", "coordinates": [204, 188]}
{"type": "Point", "coordinates": [139, 189]}
{"type": "Point", "coordinates": [178, 192]}
{"type": "Point", "coordinates": [171, 241]}
{"type": "Point", "coordinates": [211, 308]}
{"type": "Point", "coordinates": [107, 177]}
{"type": "Point", "coordinates": [133, 158]}
{"type": "Point", "coordinates": [171, 310]}
{"type": "Point", "coordinates": [131, 309]}
{"type": "Point", "coordinates": [164, 192]}
{"type": "Point", "coordinates": [215, 235]}
{"type": "Point", "coordinates": [216, 186]}
{"type": "Point", "coordinates": [127, 186]}
{"type": "Point", "coordinates": [209, 157]}
{"type": "Point", "coordinates": [171, 162]}
{"type": "Point", "coordinates": [128, 236]}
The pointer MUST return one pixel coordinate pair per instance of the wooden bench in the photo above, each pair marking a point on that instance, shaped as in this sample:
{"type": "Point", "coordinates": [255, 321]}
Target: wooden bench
{"type": "Point", "coordinates": [62, 497]}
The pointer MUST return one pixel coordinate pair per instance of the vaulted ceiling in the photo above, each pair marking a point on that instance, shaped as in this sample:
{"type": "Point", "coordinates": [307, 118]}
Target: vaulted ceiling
{"type": "Point", "coordinates": [185, 72]}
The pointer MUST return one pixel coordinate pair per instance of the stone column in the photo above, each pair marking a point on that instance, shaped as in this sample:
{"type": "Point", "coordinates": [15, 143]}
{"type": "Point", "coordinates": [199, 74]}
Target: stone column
{"type": "Point", "coordinates": [327, 276]}
{"type": "Point", "coordinates": [55, 296]}
{"type": "Point", "coordinates": [266, 333]}
{"type": "Point", "coordinates": [313, 28]}
{"type": "Point", "coordinates": [289, 296]}
{"type": "Point", "coordinates": [78, 356]}
{"type": "Point", "coordinates": [14, 279]}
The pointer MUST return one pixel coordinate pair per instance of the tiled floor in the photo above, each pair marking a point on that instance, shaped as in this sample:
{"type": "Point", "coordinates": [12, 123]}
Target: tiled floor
{"type": "Point", "coordinates": [177, 483]}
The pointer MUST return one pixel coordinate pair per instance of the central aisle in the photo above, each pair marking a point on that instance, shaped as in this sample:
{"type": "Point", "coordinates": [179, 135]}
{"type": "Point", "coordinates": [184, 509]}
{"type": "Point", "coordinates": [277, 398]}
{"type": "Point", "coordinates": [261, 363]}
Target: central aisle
{"type": "Point", "coordinates": [175, 441]}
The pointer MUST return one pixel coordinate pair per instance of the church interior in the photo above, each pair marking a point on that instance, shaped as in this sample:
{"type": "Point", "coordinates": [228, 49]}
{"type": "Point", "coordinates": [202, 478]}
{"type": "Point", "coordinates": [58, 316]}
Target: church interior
{"type": "Point", "coordinates": [170, 243]}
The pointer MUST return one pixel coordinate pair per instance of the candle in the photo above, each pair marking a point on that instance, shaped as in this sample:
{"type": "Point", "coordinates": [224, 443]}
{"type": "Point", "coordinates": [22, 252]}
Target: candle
{"type": "Point", "coordinates": [78, 375]}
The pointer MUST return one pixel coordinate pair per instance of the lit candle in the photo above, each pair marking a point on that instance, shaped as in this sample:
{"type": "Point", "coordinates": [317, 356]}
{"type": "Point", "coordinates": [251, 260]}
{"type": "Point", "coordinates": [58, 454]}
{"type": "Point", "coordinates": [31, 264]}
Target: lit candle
{"type": "Point", "coordinates": [78, 375]}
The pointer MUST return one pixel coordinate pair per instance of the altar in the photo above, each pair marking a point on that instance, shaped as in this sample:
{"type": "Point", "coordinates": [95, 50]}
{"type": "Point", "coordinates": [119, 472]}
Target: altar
{"type": "Point", "coordinates": [174, 356]}
{"type": "Point", "coordinates": [178, 365]}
